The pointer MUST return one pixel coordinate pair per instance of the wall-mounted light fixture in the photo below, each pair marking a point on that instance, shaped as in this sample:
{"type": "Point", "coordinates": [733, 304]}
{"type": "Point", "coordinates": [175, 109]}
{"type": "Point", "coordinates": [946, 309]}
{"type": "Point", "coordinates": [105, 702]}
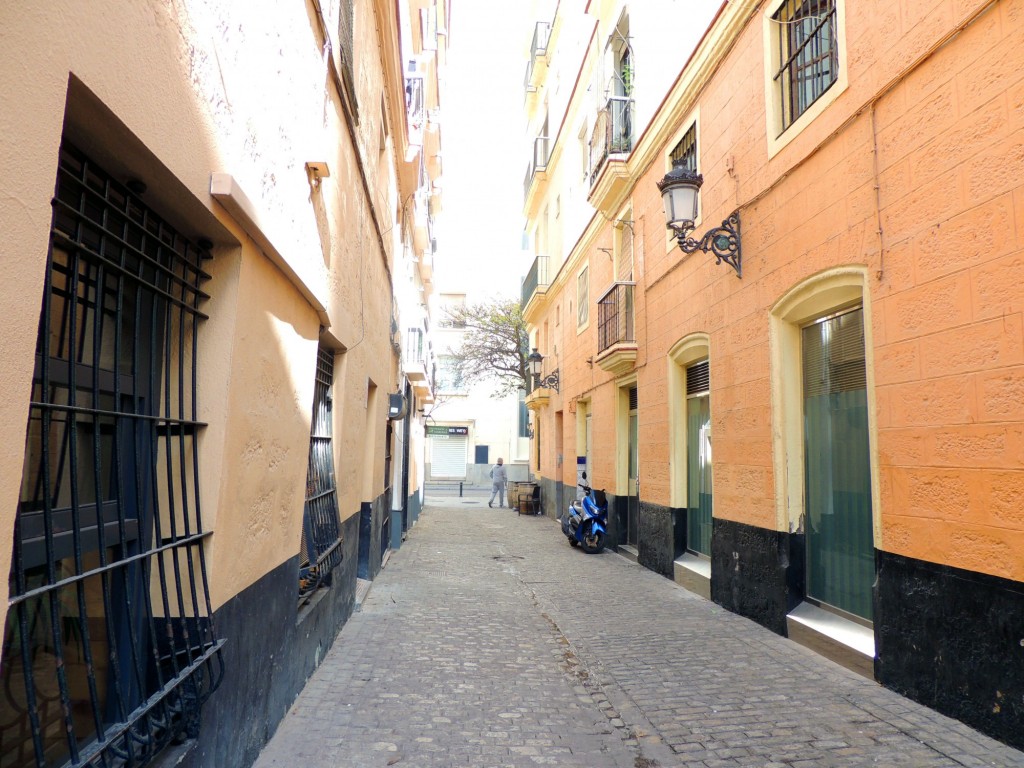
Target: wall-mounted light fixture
{"type": "Point", "coordinates": [536, 361]}
{"type": "Point", "coordinates": [680, 192]}
{"type": "Point", "coordinates": [315, 172]}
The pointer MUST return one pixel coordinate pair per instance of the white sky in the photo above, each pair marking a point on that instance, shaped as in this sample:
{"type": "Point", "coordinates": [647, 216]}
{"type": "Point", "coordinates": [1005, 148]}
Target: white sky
{"type": "Point", "coordinates": [479, 231]}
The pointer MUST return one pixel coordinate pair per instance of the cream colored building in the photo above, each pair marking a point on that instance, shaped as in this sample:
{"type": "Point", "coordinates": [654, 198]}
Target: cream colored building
{"type": "Point", "coordinates": [223, 212]}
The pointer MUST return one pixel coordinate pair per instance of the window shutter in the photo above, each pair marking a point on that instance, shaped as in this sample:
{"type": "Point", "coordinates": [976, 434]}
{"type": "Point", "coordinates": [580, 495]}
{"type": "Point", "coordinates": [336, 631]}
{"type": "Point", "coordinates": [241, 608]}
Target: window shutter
{"type": "Point", "coordinates": [685, 152]}
{"type": "Point", "coordinates": [833, 355]}
{"type": "Point", "coordinates": [698, 378]}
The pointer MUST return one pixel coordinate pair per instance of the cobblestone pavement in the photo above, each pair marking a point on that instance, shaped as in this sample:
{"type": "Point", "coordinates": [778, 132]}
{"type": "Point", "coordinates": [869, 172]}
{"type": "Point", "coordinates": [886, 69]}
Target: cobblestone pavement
{"type": "Point", "coordinates": [488, 641]}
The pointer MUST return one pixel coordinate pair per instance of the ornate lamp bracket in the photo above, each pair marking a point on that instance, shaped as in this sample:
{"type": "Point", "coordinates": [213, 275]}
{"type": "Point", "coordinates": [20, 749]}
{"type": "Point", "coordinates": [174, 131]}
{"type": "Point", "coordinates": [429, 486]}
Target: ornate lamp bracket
{"type": "Point", "coordinates": [723, 241]}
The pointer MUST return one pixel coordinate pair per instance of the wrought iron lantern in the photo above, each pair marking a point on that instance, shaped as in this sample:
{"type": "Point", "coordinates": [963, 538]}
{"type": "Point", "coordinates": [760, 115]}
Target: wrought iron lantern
{"type": "Point", "coordinates": [536, 362]}
{"type": "Point", "coordinates": [680, 193]}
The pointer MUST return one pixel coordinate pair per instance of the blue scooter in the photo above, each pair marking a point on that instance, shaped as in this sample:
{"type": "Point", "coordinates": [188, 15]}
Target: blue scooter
{"type": "Point", "coordinates": [585, 523]}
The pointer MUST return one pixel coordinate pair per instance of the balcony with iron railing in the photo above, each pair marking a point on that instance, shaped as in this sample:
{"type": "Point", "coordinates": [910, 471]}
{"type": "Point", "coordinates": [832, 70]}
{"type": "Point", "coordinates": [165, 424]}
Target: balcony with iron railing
{"type": "Point", "coordinates": [536, 280]}
{"type": "Point", "coordinates": [616, 338]}
{"type": "Point", "coordinates": [541, 35]}
{"type": "Point", "coordinates": [613, 133]}
{"type": "Point", "coordinates": [610, 143]}
{"type": "Point", "coordinates": [538, 165]}
{"type": "Point", "coordinates": [538, 55]}
{"type": "Point", "coordinates": [417, 359]}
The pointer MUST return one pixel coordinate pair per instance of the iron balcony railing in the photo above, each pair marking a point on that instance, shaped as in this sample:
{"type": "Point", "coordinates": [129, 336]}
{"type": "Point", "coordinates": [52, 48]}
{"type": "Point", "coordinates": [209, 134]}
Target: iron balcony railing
{"type": "Point", "coordinates": [613, 132]}
{"type": "Point", "coordinates": [615, 316]}
{"type": "Point", "coordinates": [528, 87]}
{"type": "Point", "coordinates": [539, 46]}
{"type": "Point", "coordinates": [417, 352]}
{"type": "Point", "coordinates": [536, 277]}
{"type": "Point", "coordinates": [538, 162]}
{"type": "Point", "coordinates": [538, 49]}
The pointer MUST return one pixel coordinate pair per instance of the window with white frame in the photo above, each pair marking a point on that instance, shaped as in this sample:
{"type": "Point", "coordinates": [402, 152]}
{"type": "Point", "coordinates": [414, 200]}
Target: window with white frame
{"type": "Point", "coordinates": [582, 298]}
{"type": "Point", "coordinates": [452, 305]}
{"type": "Point", "coordinates": [449, 380]}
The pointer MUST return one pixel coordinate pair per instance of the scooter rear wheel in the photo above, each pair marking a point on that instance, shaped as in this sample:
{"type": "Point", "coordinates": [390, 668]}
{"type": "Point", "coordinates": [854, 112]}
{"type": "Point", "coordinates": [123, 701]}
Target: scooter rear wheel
{"type": "Point", "coordinates": [593, 542]}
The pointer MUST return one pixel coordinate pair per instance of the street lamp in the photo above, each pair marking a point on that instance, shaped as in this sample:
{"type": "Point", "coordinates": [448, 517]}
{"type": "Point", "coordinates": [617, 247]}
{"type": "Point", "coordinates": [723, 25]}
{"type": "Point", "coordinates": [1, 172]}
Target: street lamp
{"type": "Point", "coordinates": [536, 361]}
{"type": "Point", "coordinates": [680, 192]}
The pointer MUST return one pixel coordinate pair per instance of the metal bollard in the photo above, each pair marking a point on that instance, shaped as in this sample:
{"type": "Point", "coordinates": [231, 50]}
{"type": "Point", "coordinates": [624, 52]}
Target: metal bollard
{"type": "Point", "coordinates": [460, 490]}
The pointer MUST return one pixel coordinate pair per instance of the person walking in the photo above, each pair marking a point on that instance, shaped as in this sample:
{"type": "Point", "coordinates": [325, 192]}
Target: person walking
{"type": "Point", "coordinates": [499, 476]}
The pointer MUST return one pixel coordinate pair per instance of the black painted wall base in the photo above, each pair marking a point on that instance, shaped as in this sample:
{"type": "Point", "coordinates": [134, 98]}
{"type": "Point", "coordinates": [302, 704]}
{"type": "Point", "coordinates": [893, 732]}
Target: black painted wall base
{"type": "Point", "coordinates": [414, 508]}
{"type": "Point", "coordinates": [371, 522]}
{"type": "Point", "coordinates": [561, 505]}
{"type": "Point", "coordinates": [954, 641]}
{"type": "Point", "coordinates": [656, 538]}
{"type": "Point", "coordinates": [549, 497]}
{"type": "Point", "coordinates": [756, 572]}
{"type": "Point", "coordinates": [269, 655]}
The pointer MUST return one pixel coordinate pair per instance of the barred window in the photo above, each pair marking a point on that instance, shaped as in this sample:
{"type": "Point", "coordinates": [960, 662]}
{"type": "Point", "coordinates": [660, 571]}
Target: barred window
{"type": "Point", "coordinates": [808, 54]}
{"type": "Point", "coordinates": [109, 646]}
{"type": "Point", "coordinates": [321, 529]}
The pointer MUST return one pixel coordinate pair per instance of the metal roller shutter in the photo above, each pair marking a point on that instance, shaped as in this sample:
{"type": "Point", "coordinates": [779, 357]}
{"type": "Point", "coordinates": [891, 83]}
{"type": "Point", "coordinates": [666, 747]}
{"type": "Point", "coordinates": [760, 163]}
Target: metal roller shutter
{"type": "Point", "coordinates": [449, 456]}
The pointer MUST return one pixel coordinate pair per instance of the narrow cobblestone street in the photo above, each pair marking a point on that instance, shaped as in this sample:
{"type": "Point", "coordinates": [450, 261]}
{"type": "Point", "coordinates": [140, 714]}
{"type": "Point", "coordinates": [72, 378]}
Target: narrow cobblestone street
{"type": "Point", "coordinates": [488, 641]}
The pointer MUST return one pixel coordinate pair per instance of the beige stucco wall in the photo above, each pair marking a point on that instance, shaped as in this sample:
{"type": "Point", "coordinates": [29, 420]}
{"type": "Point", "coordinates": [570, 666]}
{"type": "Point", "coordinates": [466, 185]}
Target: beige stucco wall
{"type": "Point", "coordinates": [171, 93]}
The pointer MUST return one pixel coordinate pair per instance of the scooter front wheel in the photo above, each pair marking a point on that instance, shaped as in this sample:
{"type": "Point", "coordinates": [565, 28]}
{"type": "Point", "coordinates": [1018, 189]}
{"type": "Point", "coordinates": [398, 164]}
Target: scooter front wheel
{"type": "Point", "coordinates": [593, 542]}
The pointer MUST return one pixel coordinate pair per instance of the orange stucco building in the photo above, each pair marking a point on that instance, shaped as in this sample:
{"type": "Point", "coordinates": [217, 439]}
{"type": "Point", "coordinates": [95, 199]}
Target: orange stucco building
{"type": "Point", "coordinates": [829, 436]}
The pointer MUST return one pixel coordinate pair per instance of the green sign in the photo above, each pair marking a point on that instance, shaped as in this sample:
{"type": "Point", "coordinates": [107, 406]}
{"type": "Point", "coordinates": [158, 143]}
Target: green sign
{"type": "Point", "coordinates": [436, 430]}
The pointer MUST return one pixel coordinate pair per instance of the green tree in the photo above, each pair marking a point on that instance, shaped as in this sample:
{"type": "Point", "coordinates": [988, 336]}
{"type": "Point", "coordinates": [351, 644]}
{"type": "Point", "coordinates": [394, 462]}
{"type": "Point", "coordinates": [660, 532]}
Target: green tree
{"type": "Point", "coordinates": [495, 345]}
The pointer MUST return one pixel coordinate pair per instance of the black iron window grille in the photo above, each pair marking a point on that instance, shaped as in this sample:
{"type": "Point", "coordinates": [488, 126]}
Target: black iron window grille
{"type": "Point", "coordinates": [808, 54]}
{"type": "Point", "coordinates": [109, 649]}
{"type": "Point", "coordinates": [321, 530]}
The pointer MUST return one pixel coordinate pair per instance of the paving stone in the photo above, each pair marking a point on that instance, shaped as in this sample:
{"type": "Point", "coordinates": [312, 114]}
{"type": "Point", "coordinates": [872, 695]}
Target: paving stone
{"type": "Point", "coordinates": [488, 642]}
